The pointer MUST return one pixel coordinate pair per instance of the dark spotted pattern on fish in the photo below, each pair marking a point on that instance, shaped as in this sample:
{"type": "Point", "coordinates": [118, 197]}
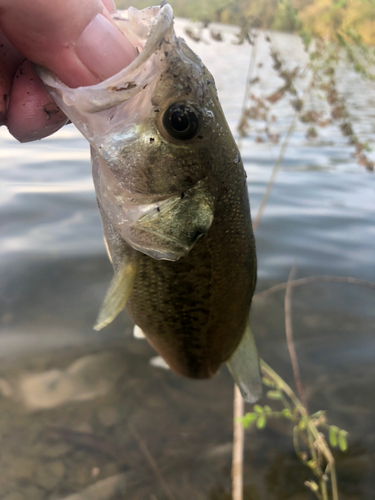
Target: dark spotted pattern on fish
{"type": "Point", "coordinates": [194, 311]}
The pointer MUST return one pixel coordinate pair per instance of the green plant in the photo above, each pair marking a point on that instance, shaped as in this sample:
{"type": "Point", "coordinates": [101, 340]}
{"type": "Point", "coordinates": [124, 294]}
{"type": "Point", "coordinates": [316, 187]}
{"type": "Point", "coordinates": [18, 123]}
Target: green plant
{"type": "Point", "coordinates": [311, 433]}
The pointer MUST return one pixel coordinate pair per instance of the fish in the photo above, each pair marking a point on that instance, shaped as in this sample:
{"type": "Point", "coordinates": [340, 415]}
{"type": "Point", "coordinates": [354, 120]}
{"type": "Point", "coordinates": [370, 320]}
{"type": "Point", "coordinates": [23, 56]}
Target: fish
{"type": "Point", "coordinates": [173, 200]}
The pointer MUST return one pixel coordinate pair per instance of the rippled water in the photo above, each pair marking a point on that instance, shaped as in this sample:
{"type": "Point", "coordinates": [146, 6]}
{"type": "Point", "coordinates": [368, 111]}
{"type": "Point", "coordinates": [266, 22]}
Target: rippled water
{"type": "Point", "coordinates": [78, 406]}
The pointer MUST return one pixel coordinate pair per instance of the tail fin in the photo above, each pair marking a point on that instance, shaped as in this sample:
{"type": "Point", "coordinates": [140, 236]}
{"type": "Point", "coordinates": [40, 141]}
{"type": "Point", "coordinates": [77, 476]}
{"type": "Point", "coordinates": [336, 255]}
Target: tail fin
{"type": "Point", "coordinates": [244, 367]}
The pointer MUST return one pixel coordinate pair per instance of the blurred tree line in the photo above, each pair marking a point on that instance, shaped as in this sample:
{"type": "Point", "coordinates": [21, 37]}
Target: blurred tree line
{"type": "Point", "coordinates": [352, 19]}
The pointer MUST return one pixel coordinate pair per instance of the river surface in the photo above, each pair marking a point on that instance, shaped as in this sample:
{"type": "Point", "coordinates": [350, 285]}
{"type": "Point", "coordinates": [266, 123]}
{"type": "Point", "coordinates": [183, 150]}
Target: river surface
{"type": "Point", "coordinates": [81, 409]}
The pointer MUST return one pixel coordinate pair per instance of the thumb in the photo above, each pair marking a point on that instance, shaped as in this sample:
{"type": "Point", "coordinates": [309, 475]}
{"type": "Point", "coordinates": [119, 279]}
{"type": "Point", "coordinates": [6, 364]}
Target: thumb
{"type": "Point", "coordinates": [75, 40]}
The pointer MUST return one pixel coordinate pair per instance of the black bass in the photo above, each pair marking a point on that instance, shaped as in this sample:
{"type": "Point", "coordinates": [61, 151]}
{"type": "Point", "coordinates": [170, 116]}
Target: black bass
{"type": "Point", "coordinates": [172, 194]}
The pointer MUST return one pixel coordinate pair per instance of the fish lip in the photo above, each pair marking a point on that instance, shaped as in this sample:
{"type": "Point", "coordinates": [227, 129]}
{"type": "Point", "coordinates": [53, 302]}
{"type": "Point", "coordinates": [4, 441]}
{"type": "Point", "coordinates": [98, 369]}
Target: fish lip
{"type": "Point", "coordinates": [94, 98]}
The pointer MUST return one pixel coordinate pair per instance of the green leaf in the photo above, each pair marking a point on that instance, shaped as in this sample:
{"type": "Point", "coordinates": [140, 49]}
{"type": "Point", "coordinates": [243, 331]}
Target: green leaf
{"type": "Point", "coordinates": [312, 485]}
{"type": "Point", "coordinates": [268, 382]}
{"type": "Point", "coordinates": [302, 424]}
{"type": "Point", "coordinates": [267, 409]}
{"type": "Point", "coordinates": [248, 419]}
{"type": "Point", "coordinates": [261, 422]}
{"type": "Point", "coordinates": [311, 464]}
{"type": "Point", "coordinates": [286, 413]}
{"type": "Point", "coordinates": [274, 395]}
{"type": "Point", "coordinates": [343, 443]}
{"type": "Point", "coordinates": [318, 414]}
{"type": "Point", "coordinates": [258, 408]}
{"type": "Point", "coordinates": [333, 431]}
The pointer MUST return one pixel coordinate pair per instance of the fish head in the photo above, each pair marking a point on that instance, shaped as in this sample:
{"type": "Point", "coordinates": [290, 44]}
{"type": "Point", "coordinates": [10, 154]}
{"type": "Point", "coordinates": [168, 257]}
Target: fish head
{"type": "Point", "coordinates": [155, 132]}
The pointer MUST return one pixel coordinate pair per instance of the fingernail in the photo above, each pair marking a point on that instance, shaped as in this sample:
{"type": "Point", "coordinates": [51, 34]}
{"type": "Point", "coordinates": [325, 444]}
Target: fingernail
{"type": "Point", "coordinates": [103, 49]}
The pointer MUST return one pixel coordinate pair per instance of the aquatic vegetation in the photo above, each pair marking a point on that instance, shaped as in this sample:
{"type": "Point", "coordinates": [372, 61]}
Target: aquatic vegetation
{"type": "Point", "coordinates": [312, 90]}
{"type": "Point", "coordinates": [309, 441]}
{"type": "Point", "coordinates": [354, 19]}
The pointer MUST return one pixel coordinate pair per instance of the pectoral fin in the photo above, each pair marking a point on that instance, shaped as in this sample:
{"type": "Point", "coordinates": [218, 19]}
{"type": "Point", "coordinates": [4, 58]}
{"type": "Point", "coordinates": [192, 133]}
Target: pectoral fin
{"type": "Point", "coordinates": [119, 290]}
{"type": "Point", "coordinates": [244, 367]}
{"type": "Point", "coordinates": [170, 229]}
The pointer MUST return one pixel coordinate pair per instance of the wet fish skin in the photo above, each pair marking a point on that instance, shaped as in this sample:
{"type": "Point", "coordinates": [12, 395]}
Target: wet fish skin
{"type": "Point", "coordinates": [179, 204]}
{"type": "Point", "coordinates": [195, 311]}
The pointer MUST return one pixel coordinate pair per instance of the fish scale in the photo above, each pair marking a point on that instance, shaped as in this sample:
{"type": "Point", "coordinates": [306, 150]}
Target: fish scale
{"type": "Point", "coordinates": [210, 291]}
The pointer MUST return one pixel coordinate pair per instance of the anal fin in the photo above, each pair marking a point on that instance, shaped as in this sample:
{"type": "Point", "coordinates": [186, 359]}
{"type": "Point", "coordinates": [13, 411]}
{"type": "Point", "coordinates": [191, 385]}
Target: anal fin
{"type": "Point", "coordinates": [244, 367]}
{"type": "Point", "coordinates": [138, 332]}
{"type": "Point", "coordinates": [119, 290]}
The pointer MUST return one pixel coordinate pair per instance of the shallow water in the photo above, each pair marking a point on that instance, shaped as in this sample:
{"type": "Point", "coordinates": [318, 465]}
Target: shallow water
{"type": "Point", "coordinates": [78, 406]}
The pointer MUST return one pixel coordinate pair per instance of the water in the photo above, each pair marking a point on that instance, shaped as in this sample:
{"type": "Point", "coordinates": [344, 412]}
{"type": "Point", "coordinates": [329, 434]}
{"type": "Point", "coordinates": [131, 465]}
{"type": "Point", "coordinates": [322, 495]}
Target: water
{"type": "Point", "coordinates": [58, 375]}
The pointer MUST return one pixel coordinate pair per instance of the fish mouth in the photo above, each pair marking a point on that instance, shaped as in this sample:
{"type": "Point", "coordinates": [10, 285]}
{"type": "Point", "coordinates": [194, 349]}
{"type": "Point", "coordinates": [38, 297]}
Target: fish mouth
{"type": "Point", "coordinates": [145, 30]}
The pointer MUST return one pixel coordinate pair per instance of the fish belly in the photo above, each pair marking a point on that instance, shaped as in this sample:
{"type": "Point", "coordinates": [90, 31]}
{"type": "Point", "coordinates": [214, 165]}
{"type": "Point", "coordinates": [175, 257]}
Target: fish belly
{"type": "Point", "coordinates": [194, 311]}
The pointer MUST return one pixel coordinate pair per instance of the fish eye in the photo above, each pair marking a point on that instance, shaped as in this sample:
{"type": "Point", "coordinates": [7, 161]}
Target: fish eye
{"type": "Point", "coordinates": [181, 121]}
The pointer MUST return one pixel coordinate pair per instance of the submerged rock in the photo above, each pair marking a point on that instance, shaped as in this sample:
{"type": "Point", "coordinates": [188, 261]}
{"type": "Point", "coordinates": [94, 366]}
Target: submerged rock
{"type": "Point", "coordinates": [106, 489]}
{"type": "Point", "coordinates": [107, 415]}
{"type": "Point", "coordinates": [49, 475]}
{"type": "Point", "coordinates": [86, 378]}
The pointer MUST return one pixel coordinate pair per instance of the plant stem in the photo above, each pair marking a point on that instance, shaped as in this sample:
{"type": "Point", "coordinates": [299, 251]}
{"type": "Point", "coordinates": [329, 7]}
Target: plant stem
{"type": "Point", "coordinates": [238, 446]}
{"type": "Point", "coordinates": [248, 84]}
{"type": "Point", "coordinates": [278, 163]}
{"type": "Point", "coordinates": [323, 487]}
{"type": "Point", "coordinates": [269, 372]}
{"type": "Point", "coordinates": [151, 462]}
{"type": "Point", "coordinates": [289, 339]}
{"type": "Point", "coordinates": [315, 279]}
{"type": "Point", "coordinates": [316, 440]}
{"type": "Point", "coordinates": [335, 490]}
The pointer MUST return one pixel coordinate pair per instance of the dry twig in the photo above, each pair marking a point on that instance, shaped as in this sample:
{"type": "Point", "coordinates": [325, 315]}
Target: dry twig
{"type": "Point", "coordinates": [238, 446]}
{"type": "Point", "coordinates": [280, 159]}
{"type": "Point", "coordinates": [151, 462]}
{"type": "Point", "coordinates": [289, 339]}
{"type": "Point", "coordinates": [315, 279]}
{"type": "Point", "coordinates": [238, 404]}
{"type": "Point", "coordinates": [237, 464]}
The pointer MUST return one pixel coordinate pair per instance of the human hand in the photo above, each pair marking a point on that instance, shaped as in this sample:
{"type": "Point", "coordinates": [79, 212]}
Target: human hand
{"type": "Point", "coordinates": [77, 41]}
